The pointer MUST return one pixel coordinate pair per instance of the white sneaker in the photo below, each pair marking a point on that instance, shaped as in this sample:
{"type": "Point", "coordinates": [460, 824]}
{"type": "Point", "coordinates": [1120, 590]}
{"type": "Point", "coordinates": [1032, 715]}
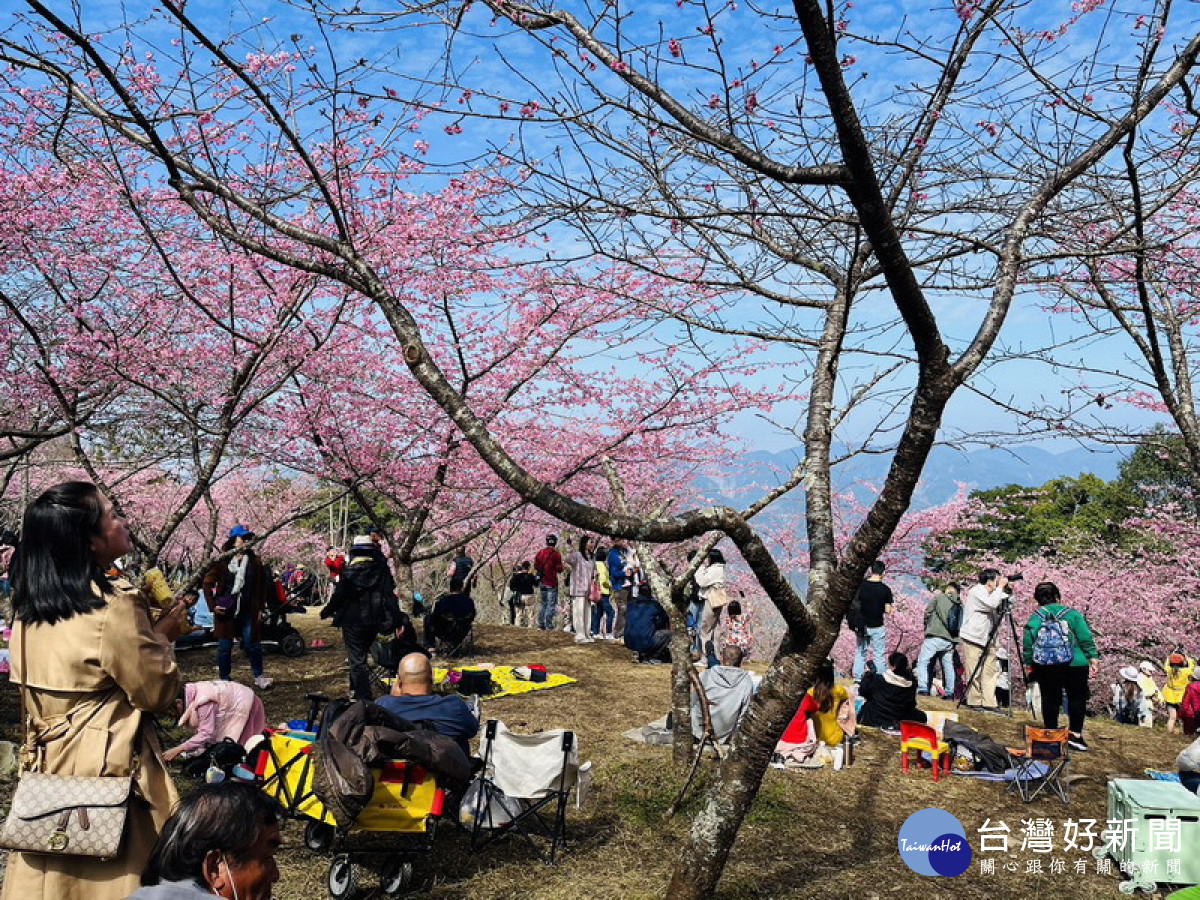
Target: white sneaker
{"type": "Point", "coordinates": [609, 637]}
{"type": "Point", "coordinates": [568, 629]}
{"type": "Point", "coordinates": [580, 639]}
{"type": "Point", "coordinates": [262, 682]}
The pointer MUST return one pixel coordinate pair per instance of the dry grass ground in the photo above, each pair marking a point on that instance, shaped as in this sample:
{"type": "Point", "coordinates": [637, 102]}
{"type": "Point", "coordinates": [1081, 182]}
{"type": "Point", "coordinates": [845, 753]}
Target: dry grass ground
{"type": "Point", "coordinates": [823, 833]}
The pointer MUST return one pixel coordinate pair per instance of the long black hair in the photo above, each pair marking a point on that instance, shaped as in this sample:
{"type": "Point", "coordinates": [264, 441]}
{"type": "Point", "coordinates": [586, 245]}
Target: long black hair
{"type": "Point", "coordinates": [53, 569]}
{"type": "Point", "coordinates": [226, 817]}
{"type": "Point", "coordinates": [822, 689]}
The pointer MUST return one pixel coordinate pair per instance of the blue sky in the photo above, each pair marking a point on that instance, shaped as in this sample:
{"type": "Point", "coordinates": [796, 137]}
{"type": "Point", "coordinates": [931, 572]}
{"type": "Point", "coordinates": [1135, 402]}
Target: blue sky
{"type": "Point", "coordinates": [517, 68]}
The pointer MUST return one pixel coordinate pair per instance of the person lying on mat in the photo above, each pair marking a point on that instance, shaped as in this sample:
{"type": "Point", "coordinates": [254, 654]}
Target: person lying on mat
{"type": "Point", "coordinates": [413, 699]}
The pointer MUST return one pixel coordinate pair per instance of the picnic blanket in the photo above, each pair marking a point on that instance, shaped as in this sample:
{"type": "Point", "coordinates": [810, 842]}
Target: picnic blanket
{"type": "Point", "coordinates": [1037, 770]}
{"type": "Point", "coordinates": [506, 682]}
{"type": "Point", "coordinates": [1163, 776]}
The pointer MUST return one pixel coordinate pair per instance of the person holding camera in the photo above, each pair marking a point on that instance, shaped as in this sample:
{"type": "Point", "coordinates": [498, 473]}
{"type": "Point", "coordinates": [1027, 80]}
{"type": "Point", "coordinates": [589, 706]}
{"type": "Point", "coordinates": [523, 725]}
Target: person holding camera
{"type": "Point", "coordinates": [1059, 653]}
{"type": "Point", "coordinates": [982, 609]}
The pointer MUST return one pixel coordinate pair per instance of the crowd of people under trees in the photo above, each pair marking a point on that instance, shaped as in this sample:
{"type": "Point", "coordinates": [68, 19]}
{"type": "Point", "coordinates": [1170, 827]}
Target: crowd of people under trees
{"type": "Point", "coordinates": [91, 649]}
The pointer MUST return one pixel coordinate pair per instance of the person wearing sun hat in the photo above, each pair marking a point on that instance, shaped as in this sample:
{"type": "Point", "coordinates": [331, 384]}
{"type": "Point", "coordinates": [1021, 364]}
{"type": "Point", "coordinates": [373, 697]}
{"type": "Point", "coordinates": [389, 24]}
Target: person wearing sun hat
{"type": "Point", "coordinates": [1150, 691]}
{"type": "Point", "coordinates": [1129, 703]}
{"type": "Point", "coordinates": [236, 587]}
{"type": "Point", "coordinates": [363, 606]}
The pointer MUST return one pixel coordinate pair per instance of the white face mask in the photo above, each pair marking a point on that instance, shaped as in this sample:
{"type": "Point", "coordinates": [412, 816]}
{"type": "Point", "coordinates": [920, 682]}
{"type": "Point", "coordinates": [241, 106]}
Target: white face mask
{"type": "Point", "coordinates": [229, 875]}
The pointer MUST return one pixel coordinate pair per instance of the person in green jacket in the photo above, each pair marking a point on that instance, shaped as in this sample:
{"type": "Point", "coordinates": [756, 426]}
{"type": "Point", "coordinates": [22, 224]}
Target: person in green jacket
{"type": "Point", "coordinates": [1059, 653]}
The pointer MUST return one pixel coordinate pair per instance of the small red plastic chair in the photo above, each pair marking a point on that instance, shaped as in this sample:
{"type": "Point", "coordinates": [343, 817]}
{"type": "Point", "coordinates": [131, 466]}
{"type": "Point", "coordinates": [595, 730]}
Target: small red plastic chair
{"type": "Point", "coordinates": [924, 739]}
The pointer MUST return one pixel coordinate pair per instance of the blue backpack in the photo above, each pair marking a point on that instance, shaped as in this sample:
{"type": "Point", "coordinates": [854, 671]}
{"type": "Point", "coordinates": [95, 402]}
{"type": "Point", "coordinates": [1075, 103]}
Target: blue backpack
{"type": "Point", "coordinates": [1052, 643]}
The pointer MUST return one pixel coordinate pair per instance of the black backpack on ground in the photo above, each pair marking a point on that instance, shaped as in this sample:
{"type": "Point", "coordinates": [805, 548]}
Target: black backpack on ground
{"type": "Point", "coordinates": [225, 755]}
{"type": "Point", "coordinates": [985, 752]}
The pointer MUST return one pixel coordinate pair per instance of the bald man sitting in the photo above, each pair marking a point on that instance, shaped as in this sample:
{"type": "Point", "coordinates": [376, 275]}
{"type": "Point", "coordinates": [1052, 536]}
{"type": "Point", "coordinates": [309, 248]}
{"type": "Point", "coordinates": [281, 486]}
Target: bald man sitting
{"type": "Point", "coordinates": [413, 699]}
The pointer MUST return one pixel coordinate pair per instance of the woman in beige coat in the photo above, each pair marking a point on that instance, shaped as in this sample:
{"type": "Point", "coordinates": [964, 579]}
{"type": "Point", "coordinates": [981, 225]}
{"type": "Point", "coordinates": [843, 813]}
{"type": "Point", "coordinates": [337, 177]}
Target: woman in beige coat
{"type": "Point", "coordinates": [92, 665]}
{"type": "Point", "coordinates": [710, 578]}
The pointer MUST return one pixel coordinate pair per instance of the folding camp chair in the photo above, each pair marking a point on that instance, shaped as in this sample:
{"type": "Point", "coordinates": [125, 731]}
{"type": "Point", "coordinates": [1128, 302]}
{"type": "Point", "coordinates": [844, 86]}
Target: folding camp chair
{"type": "Point", "coordinates": [1044, 760]}
{"type": "Point", "coordinates": [450, 635]}
{"type": "Point", "coordinates": [524, 787]}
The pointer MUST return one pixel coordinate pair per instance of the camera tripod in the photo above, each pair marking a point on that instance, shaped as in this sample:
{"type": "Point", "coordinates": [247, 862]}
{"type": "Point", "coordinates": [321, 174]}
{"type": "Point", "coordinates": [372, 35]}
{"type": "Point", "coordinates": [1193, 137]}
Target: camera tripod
{"type": "Point", "coordinates": [1005, 615]}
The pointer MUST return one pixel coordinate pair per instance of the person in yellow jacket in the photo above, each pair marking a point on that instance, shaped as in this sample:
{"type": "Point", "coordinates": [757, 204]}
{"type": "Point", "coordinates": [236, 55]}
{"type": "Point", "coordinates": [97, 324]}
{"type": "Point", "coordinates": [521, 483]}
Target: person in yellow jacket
{"type": "Point", "coordinates": [1179, 672]}
{"type": "Point", "coordinates": [604, 609]}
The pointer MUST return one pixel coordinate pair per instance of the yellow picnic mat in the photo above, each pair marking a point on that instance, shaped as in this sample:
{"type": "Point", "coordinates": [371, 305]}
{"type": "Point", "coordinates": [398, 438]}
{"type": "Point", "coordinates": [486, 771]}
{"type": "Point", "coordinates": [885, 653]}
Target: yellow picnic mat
{"type": "Point", "coordinates": [503, 678]}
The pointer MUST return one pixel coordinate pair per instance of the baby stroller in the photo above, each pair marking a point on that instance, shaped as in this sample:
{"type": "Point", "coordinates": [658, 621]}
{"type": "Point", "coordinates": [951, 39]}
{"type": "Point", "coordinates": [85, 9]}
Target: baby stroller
{"type": "Point", "coordinates": [395, 827]}
{"type": "Point", "coordinates": [276, 633]}
{"type": "Point", "coordinates": [276, 630]}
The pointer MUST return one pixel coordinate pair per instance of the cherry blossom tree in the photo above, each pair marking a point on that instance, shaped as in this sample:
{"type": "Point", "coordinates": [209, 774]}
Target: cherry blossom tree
{"type": "Point", "coordinates": [143, 344]}
{"type": "Point", "coordinates": [1139, 594]}
{"type": "Point", "coordinates": [861, 230]}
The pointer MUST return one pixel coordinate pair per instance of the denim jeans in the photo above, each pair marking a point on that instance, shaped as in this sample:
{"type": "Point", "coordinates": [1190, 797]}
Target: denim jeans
{"type": "Point", "coordinates": [936, 650]}
{"type": "Point", "coordinates": [876, 639]}
{"type": "Point", "coordinates": [252, 648]}
{"type": "Point", "coordinates": [603, 609]}
{"type": "Point", "coordinates": [546, 611]}
{"type": "Point", "coordinates": [695, 611]}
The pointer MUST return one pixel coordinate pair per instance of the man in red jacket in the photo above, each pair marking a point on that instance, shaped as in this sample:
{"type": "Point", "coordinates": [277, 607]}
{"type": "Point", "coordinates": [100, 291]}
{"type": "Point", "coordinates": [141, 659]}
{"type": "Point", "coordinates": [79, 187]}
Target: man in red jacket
{"type": "Point", "coordinates": [549, 565]}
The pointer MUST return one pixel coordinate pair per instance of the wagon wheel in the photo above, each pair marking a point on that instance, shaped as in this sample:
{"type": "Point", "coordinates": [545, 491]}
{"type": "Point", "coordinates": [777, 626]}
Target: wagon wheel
{"type": "Point", "coordinates": [318, 836]}
{"type": "Point", "coordinates": [345, 878]}
{"type": "Point", "coordinates": [395, 877]}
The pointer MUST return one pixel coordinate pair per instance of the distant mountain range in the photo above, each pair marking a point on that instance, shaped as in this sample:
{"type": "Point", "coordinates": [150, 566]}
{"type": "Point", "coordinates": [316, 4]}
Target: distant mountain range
{"type": "Point", "coordinates": [946, 469]}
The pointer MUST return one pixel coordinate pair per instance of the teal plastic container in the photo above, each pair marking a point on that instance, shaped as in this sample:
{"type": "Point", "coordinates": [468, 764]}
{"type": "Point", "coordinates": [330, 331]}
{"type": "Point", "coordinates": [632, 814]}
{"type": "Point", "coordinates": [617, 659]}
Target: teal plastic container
{"type": "Point", "coordinates": [1147, 801]}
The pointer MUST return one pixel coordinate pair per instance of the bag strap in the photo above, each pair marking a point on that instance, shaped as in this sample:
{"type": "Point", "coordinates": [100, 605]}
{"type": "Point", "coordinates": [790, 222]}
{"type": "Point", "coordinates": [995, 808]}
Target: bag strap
{"type": "Point", "coordinates": [21, 690]}
{"type": "Point", "coordinates": [944, 620]}
{"type": "Point", "coordinates": [28, 742]}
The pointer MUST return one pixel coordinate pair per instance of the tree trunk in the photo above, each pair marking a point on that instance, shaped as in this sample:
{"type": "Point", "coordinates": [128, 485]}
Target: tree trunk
{"type": "Point", "coordinates": [664, 587]}
{"type": "Point", "coordinates": [405, 583]}
{"type": "Point", "coordinates": [681, 690]}
{"type": "Point", "coordinates": [715, 828]}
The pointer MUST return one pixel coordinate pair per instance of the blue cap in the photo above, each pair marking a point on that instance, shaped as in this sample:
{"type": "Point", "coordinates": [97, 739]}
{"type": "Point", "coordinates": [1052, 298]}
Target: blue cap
{"type": "Point", "coordinates": [239, 531]}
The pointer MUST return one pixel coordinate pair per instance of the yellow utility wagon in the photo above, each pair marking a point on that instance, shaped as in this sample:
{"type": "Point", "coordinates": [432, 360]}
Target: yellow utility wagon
{"type": "Point", "coordinates": [397, 824]}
